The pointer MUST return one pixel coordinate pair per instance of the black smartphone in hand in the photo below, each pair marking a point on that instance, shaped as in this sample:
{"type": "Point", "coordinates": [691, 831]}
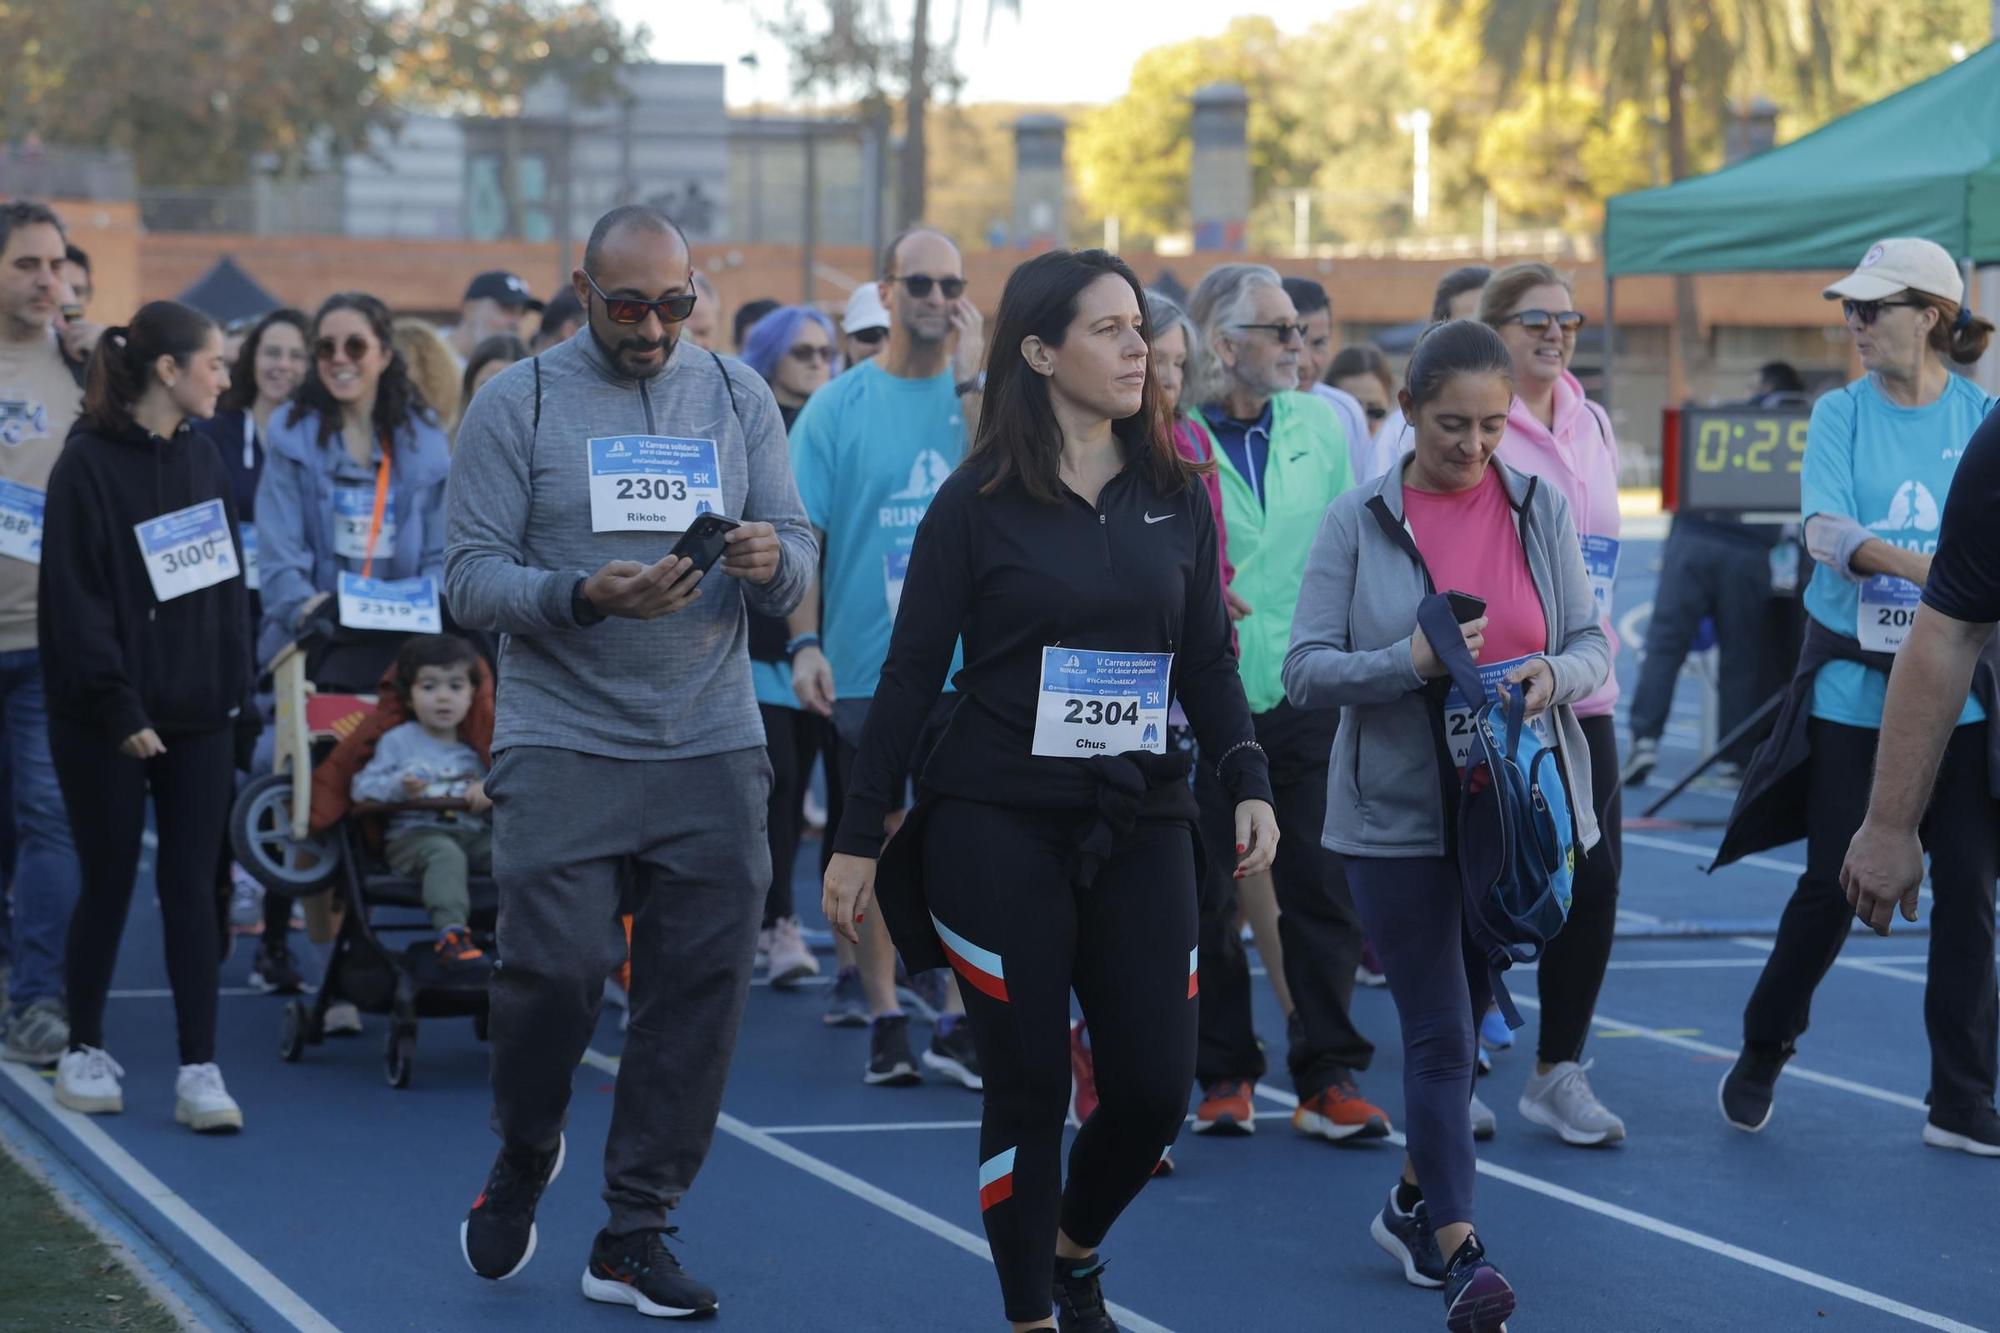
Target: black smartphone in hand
{"type": "Point", "coordinates": [703, 542]}
{"type": "Point", "coordinates": [1465, 607]}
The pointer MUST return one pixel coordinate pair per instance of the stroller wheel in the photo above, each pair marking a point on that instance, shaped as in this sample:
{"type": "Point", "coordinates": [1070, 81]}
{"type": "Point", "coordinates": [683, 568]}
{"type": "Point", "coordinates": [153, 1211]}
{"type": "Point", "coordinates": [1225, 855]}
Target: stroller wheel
{"type": "Point", "coordinates": [260, 836]}
{"type": "Point", "coordinates": [292, 1032]}
{"type": "Point", "coordinates": [398, 1055]}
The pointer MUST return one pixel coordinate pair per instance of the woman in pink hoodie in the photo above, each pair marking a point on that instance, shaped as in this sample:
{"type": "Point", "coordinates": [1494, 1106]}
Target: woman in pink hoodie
{"type": "Point", "coordinates": [1558, 435]}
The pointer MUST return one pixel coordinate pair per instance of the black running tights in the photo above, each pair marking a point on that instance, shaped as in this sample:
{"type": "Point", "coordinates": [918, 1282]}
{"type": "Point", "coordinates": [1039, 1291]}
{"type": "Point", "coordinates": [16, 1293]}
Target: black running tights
{"type": "Point", "coordinates": [105, 791]}
{"type": "Point", "coordinates": [1022, 936]}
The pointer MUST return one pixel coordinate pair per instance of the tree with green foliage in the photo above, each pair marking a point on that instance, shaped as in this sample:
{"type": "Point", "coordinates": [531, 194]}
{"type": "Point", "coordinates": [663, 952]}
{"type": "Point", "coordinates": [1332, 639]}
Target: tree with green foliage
{"type": "Point", "coordinates": [199, 92]}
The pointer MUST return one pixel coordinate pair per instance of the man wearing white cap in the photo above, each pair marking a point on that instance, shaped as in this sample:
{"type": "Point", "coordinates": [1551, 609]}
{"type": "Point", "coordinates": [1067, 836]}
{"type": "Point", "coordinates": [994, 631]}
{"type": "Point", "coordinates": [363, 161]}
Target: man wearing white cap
{"type": "Point", "coordinates": [1882, 461]}
{"type": "Point", "coordinates": [864, 327]}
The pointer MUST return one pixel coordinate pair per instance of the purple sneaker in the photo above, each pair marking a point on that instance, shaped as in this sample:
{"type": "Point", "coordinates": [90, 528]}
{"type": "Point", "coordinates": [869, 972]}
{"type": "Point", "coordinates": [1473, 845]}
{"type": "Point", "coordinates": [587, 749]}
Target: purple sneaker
{"type": "Point", "coordinates": [1477, 1298]}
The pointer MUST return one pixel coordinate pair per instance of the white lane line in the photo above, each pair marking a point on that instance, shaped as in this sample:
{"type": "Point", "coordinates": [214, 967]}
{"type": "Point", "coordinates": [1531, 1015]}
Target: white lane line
{"type": "Point", "coordinates": [878, 1127]}
{"type": "Point", "coordinates": [1881, 967]}
{"type": "Point", "coordinates": [171, 1206]}
{"type": "Point", "coordinates": [1686, 1236]}
{"type": "Point", "coordinates": [867, 1193]}
{"type": "Point", "coordinates": [1792, 1070]}
{"type": "Point", "coordinates": [163, 994]}
{"type": "Point", "coordinates": [1708, 853]}
{"type": "Point", "coordinates": [1694, 964]}
{"type": "Point", "coordinates": [892, 1126]}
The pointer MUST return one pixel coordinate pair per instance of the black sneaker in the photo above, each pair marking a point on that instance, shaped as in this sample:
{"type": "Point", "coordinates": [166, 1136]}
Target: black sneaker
{"type": "Point", "coordinates": [498, 1234]}
{"type": "Point", "coordinates": [1078, 1297]}
{"type": "Point", "coordinates": [1409, 1240]}
{"type": "Point", "coordinates": [1640, 761]}
{"type": "Point", "coordinates": [640, 1271]}
{"type": "Point", "coordinates": [890, 1063]}
{"type": "Point", "coordinates": [1976, 1131]}
{"type": "Point", "coordinates": [1746, 1090]}
{"type": "Point", "coordinates": [1476, 1298]}
{"type": "Point", "coordinates": [273, 972]}
{"type": "Point", "coordinates": [953, 1055]}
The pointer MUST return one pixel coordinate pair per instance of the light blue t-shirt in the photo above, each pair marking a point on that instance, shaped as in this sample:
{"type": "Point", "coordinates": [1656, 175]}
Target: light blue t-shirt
{"type": "Point", "coordinates": [773, 682]}
{"type": "Point", "coordinates": [869, 451]}
{"type": "Point", "coordinates": [1888, 468]}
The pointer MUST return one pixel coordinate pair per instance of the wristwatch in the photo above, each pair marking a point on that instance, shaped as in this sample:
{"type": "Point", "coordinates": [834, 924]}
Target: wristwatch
{"type": "Point", "coordinates": [580, 608]}
{"type": "Point", "coordinates": [977, 384]}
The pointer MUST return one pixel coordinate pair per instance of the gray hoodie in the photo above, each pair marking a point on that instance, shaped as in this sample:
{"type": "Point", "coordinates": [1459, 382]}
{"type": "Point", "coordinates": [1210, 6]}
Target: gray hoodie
{"type": "Point", "coordinates": [518, 536]}
{"type": "Point", "coordinates": [1351, 650]}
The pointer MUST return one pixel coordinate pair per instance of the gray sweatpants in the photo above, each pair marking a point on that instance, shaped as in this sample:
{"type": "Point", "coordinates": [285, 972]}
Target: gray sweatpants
{"type": "Point", "coordinates": [569, 831]}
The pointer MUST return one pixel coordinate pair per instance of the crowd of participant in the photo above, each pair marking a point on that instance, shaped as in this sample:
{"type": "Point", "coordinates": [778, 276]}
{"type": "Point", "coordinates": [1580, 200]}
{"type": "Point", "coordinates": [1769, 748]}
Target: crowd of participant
{"type": "Point", "coordinates": [1093, 636]}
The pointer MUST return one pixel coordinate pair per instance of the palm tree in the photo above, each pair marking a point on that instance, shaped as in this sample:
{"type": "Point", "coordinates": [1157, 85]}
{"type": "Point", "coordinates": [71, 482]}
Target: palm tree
{"type": "Point", "coordinates": [1643, 50]}
{"type": "Point", "coordinates": [910, 186]}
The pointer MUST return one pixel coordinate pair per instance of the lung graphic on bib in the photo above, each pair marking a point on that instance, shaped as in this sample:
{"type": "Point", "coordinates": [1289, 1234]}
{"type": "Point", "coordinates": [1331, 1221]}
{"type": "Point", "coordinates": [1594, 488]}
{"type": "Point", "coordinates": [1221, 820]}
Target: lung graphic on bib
{"type": "Point", "coordinates": [1913, 506]}
{"type": "Point", "coordinates": [926, 475]}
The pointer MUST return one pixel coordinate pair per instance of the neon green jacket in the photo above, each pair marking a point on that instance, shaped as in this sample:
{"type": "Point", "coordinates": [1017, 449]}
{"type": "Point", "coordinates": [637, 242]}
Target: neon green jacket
{"type": "Point", "coordinates": [1306, 470]}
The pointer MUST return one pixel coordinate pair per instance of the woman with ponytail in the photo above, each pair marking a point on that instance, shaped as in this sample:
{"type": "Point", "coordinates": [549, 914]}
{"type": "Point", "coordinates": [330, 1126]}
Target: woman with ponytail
{"type": "Point", "coordinates": [353, 480]}
{"type": "Point", "coordinates": [146, 662]}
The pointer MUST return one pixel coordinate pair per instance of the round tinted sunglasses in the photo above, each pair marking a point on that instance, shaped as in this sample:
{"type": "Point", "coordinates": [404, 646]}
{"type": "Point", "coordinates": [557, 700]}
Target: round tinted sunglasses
{"type": "Point", "coordinates": [1569, 321]}
{"type": "Point", "coordinates": [806, 354]}
{"type": "Point", "coordinates": [355, 345]}
{"type": "Point", "coordinates": [631, 310]}
{"type": "Point", "coordinates": [919, 285]}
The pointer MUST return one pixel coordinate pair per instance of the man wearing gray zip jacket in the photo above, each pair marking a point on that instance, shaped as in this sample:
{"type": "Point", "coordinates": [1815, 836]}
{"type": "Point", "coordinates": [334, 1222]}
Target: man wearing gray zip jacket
{"type": "Point", "coordinates": [628, 750]}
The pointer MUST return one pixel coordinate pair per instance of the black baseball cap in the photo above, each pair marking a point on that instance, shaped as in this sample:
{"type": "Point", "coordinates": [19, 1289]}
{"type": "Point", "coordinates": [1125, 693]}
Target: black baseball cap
{"type": "Point", "coordinates": [501, 287]}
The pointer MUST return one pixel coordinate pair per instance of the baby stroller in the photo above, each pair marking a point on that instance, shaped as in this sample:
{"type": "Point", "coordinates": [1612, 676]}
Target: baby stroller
{"type": "Point", "coordinates": [295, 831]}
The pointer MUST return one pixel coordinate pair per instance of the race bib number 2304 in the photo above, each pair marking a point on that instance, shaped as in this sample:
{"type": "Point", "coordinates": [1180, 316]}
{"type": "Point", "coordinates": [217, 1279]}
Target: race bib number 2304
{"type": "Point", "coordinates": [1093, 703]}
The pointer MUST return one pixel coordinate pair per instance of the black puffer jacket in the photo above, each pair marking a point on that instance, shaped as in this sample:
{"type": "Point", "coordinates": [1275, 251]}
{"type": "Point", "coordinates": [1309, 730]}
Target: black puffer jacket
{"type": "Point", "coordinates": [114, 655]}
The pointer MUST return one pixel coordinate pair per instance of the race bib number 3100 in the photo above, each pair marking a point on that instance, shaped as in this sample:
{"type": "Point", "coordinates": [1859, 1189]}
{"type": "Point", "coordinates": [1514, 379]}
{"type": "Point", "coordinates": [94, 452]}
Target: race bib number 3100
{"type": "Point", "coordinates": [652, 483]}
{"type": "Point", "coordinates": [1094, 703]}
{"type": "Point", "coordinates": [1888, 609]}
{"type": "Point", "coordinates": [187, 550]}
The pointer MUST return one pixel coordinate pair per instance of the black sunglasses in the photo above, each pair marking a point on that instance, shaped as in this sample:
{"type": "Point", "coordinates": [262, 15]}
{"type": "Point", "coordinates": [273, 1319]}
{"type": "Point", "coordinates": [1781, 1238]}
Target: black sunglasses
{"type": "Point", "coordinates": [1569, 321]}
{"type": "Point", "coordinates": [1375, 413]}
{"type": "Point", "coordinates": [919, 285]}
{"type": "Point", "coordinates": [1282, 332]}
{"type": "Point", "coordinates": [869, 337]}
{"type": "Point", "coordinates": [356, 346]}
{"type": "Point", "coordinates": [1865, 313]}
{"type": "Point", "coordinates": [632, 310]}
{"type": "Point", "coordinates": [806, 354]}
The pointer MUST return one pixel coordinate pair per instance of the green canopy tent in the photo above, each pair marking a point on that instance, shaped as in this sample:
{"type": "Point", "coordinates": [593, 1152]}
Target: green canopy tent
{"type": "Point", "coordinates": [1923, 162]}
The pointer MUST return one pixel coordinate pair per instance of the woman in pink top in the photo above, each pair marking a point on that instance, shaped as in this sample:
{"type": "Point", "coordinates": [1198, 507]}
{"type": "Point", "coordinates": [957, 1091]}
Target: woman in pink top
{"type": "Point", "coordinates": [1557, 434]}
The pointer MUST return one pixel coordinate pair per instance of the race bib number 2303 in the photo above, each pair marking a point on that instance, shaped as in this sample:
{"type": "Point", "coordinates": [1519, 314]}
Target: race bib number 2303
{"type": "Point", "coordinates": [652, 483]}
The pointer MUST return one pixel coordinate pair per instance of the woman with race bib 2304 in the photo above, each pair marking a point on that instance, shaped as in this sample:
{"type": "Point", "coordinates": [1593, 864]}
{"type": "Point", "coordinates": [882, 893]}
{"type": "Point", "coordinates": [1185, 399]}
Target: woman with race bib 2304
{"type": "Point", "coordinates": [1881, 455]}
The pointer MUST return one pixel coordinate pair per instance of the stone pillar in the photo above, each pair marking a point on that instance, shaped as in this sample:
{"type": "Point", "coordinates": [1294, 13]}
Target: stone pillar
{"type": "Point", "coordinates": [1219, 186]}
{"type": "Point", "coordinates": [1041, 215]}
{"type": "Point", "coordinates": [1752, 129]}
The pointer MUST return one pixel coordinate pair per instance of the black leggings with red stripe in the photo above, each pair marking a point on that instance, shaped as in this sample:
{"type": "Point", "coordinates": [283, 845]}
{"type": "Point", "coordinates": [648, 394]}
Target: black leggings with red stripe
{"type": "Point", "coordinates": [1022, 936]}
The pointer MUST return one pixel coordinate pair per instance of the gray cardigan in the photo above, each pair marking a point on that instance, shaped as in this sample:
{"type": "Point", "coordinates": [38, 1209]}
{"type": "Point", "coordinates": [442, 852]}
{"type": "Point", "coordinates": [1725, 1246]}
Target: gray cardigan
{"type": "Point", "coordinates": [1351, 650]}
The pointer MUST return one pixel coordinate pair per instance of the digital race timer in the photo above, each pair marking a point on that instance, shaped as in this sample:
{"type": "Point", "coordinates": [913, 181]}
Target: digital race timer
{"type": "Point", "coordinates": [1745, 459]}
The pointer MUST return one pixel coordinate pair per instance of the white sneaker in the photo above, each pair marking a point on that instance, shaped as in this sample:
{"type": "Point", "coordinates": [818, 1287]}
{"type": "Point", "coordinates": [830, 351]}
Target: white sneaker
{"type": "Point", "coordinates": [87, 1081]}
{"type": "Point", "coordinates": [246, 902]}
{"type": "Point", "coordinates": [790, 962]}
{"type": "Point", "coordinates": [342, 1020]}
{"type": "Point", "coordinates": [1562, 1100]}
{"type": "Point", "coordinates": [202, 1103]}
{"type": "Point", "coordinates": [1484, 1123]}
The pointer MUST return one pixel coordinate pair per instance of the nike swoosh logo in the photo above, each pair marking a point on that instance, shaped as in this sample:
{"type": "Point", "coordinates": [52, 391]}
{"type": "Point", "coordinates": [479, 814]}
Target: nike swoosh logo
{"type": "Point", "coordinates": [1295, 458]}
{"type": "Point", "coordinates": [1161, 519]}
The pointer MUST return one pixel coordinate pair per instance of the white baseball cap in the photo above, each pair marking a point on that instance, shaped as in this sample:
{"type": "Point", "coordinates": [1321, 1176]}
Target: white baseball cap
{"type": "Point", "coordinates": [864, 310]}
{"type": "Point", "coordinates": [1902, 263]}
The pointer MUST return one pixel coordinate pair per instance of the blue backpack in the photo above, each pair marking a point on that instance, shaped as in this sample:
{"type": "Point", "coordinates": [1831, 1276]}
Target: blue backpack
{"type": "Point", "coordinates": [1516, 843]}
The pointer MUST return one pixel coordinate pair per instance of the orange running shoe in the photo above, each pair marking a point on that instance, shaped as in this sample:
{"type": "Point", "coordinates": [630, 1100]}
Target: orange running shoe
{"type": "Point", "coordinates": [1226, 1109]}
{"type": "Point", "coordinates": [1338, 1114]}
